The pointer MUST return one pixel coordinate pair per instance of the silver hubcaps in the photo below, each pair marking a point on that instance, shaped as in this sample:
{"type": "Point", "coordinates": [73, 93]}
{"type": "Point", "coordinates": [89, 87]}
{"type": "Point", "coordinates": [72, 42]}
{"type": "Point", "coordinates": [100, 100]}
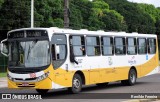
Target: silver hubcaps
{"type": "Point", "coordinates": [133, 77]}
{"type": "Point", "coordinates": [76, 83]}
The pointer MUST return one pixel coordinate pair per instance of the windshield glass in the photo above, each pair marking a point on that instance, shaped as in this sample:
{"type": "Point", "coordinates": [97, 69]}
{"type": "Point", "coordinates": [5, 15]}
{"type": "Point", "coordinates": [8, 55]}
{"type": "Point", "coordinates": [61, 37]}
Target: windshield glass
{"type": "Point", "coordinates": [29, 54]}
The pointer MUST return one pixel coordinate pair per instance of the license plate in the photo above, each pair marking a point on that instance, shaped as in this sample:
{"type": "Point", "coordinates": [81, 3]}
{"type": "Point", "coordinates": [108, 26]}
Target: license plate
{"type": "Point", "coordinates": [25, 84]}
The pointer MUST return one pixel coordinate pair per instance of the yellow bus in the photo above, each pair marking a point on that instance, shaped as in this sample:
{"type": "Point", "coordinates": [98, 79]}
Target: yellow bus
{"type": "Point", "coordinates": [54, 58]}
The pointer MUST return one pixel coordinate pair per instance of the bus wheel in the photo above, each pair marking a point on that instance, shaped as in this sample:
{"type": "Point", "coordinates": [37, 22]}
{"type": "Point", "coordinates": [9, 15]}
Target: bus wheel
{"type": "Point", "coordinates": [131, 78]}
{"type": "Point", "coordinates": [42, 91]}
{"type": "Point", "coordinates": [102, 84]}
{"type": "Point", "coordinates": [76, 84]}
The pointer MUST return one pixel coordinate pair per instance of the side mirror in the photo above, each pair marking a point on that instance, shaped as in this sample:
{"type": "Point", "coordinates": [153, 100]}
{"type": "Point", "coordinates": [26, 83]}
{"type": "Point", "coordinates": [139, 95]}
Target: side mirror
{"type": "Point", "coordinates": [4, 49]}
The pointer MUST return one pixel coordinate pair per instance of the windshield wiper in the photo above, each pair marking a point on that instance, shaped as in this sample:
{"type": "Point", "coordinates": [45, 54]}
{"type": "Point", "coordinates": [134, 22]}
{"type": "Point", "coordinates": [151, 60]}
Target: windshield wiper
{"type": "Point", "coordinates": [30, 48]}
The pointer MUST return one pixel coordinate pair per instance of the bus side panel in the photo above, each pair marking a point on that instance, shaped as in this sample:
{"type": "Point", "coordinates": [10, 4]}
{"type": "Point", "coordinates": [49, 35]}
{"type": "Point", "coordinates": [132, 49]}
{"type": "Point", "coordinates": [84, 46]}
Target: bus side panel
{"type": "Point", "coordinates": [122, 73]}
{"type": "Point", "coordinates": [151, 66]}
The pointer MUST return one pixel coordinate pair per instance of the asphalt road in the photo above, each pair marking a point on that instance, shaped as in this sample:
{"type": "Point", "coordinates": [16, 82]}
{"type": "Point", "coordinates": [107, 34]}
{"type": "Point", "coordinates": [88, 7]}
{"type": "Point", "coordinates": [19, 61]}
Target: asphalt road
{"type": "Point", "coordinates": [149, 85]}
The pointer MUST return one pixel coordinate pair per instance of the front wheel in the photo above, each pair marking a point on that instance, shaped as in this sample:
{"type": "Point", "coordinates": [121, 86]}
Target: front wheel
{"type": "Point", "coordinates": [76, 84]}
{"type": "Point", "coordinates": [132, 76]}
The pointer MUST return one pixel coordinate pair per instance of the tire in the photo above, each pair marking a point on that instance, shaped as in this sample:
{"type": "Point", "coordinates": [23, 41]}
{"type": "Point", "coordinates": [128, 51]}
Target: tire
{"type": "Point", "coordinates": [76, 84]}
{"type": "Point", "coordinates": [132, 76]}
{"type": "Point", "coordinates": [102, 84]}
{"type": "Point", "coordinates": [42, 91]}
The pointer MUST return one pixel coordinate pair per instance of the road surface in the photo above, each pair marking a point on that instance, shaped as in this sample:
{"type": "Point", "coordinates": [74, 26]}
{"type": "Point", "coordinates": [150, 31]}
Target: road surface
{"type": "Point", "coordinates": [149, 85]}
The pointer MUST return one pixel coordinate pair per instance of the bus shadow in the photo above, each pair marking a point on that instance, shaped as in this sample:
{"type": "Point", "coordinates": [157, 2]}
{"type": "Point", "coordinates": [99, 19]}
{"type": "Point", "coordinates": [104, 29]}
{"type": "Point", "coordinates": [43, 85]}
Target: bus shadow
{"type": "Point", "coordinates": [110, 86]}
{"type": "Point", "coordinates": [87, 90]}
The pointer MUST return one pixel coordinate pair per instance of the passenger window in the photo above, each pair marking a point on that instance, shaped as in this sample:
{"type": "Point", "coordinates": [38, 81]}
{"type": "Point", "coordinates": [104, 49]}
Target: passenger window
{"type": "Point", "coordinates": [151, 46]}
{"type": "Point", "coordinates": [142, 46]}
{"type": "Point", "coordinates": [120, 48]}
{"type": "Point", "coordinates": [131, 46]}
{"type": "Point", "coordinates": [93, 46]}
{"type": "Point", "coordinates": [78, 45]}
{"type": "Point", "coordinates": [107, 45]}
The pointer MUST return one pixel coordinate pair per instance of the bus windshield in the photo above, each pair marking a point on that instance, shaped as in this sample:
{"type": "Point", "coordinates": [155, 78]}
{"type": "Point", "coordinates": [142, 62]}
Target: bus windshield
{"type": "Point", "coordinates": [29, 53]}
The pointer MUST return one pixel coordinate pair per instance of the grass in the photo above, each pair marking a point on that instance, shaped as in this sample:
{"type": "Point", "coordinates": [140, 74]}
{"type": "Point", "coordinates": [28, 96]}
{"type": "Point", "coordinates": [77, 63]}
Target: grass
{"type": "Point", "coordinates": [4, 74]}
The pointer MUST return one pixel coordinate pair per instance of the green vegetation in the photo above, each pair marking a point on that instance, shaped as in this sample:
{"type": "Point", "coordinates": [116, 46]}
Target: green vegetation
{"type": "Point", "coordinates": [107, 15]}
{"type": "Point", "coordinates": [3, 74]}
{"type": "Point", "coordinates": [3, 63]}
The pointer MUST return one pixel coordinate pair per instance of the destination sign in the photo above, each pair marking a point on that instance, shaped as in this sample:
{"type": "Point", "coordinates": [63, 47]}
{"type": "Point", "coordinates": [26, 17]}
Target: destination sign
{"type": "Point", "coordinates": [36, 33]}
{"type": "Point", "coordinates": [27, 34]}
{"type": "Point", "coordinates": [17, 34]}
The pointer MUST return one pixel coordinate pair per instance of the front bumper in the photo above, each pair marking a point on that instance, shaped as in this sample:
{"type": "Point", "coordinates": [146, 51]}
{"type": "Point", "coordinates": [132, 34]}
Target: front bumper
{"type": "Point", "coordinates": [43, 84]}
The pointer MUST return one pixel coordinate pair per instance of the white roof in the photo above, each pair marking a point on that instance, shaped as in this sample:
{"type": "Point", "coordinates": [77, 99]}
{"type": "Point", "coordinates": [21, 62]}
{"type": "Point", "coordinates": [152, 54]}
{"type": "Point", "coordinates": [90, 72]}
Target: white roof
{"type": "Point", "coordinates": [87, 32]}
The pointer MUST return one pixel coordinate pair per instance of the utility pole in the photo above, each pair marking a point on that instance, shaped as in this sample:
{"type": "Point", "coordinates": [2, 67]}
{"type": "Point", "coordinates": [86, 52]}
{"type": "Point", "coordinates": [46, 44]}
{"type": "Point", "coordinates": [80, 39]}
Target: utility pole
{"type": "Point", "coordinates": [66, 13]}
{"type": "Point", "coordinates": [32, 13]}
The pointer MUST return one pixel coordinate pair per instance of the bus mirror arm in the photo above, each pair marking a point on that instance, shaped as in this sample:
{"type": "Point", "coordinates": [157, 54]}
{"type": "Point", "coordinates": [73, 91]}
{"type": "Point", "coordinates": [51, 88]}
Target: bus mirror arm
{"type": "Point", "coordinates": [75, 62]}
{"type": "Point", "coordinates": [72, 57]}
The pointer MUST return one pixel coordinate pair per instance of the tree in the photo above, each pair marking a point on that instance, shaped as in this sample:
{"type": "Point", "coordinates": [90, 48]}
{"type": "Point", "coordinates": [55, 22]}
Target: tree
{"type": "Point", "coordinates": [103, 18]}
{"type": "Point", "coordinates": [48, 12]}
{"type": "Point", "coordinates": [13, 15]}
{"type": "Point", "coordinates": [137, 20]}
{"type": "Point", "coordinates": [154, 14]}
{"type": "Point", "coordinates": [1, 2]}
{"type": "Point", "coordinates": [157, 27]}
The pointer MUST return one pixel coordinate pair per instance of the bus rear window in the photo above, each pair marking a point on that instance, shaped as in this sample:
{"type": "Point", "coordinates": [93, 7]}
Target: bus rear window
{"type": "Point", "coordinates": [151, 46]}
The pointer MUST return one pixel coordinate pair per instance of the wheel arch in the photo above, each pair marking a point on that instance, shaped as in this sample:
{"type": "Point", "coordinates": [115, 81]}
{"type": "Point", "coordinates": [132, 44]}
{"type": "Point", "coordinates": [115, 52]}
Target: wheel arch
{"type": "Point", "coordinates": [133, 67]}
{"type": "Point", "coordinates": [82, 76]}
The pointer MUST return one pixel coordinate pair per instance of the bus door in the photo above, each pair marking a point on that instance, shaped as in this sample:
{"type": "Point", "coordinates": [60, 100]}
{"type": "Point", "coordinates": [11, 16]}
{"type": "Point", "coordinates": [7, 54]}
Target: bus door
{"type": "Point", "coordinates": [59, 53]}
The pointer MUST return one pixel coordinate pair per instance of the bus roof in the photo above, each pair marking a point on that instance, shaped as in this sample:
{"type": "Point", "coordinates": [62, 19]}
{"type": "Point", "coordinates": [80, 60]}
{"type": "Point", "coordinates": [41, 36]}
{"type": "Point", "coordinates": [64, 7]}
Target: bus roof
{"type": "Point", "coordinates": [87, 32]}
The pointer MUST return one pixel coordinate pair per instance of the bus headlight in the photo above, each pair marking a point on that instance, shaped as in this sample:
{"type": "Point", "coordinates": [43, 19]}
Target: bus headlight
{"type": "Point", "coordinates": [42, 77]}
{"type": "Point", "coordinates": [9, 77]}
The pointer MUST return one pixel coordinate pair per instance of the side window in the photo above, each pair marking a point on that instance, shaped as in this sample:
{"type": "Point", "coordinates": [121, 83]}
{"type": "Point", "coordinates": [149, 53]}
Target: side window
{"type": "Point", "coordinates": [78, 45]}
{"type": "Point", "coordinates": [107, 45]}
{"type": "Point", "coordinates": [120, 48]}
{"type": "Point", "coordinates": [151, 46]}
{"type": "Point", "coordinates": [142, 46]}
{"type": "Point", "coordinates": [59, 50]}
{"type": "Point", "coordinates": [131, 46]}
{"type": "Point", "coordinates": [93, 45]}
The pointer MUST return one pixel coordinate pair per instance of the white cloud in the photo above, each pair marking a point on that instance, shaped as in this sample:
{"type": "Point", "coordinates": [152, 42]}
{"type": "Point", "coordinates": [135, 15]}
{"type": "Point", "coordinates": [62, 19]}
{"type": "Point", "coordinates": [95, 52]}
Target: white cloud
{"type": "Point", "coordinates": [156, 3]}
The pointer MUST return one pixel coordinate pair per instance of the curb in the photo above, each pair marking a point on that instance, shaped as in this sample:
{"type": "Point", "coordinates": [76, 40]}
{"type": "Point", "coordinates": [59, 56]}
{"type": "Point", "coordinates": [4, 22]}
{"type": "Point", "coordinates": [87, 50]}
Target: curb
{"type": "Point", "coordinates": [143, 100]}
{"type": "Point", "coordinates": [3, 86]}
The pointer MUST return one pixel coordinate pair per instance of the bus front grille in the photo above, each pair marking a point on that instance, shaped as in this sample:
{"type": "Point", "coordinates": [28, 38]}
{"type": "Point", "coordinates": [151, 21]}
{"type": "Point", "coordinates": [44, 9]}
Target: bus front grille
{"type": "Point", "coordinates": [26, 85]}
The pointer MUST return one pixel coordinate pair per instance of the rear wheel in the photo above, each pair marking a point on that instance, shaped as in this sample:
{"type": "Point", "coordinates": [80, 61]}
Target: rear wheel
{"type": "Point", "coordinates": [132, 76]}
{"type": "Point", "coordinates": [42, 91]}
{"type": "Point", "coordinates": [76, 84]}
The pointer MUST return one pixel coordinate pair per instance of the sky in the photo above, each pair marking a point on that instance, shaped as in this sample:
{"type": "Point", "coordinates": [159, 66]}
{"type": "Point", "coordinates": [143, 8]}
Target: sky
{"type": "Point", "coordinates": [156, 3]}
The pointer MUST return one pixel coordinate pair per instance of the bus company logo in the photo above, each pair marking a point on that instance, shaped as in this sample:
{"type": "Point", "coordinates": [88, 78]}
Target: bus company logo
{"type": "Point", "coordinates": [32, 75]}
{"type": "Point", "coordinates": [110, 62]}
{"type": "Point", "coordinates": [132, 60]}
